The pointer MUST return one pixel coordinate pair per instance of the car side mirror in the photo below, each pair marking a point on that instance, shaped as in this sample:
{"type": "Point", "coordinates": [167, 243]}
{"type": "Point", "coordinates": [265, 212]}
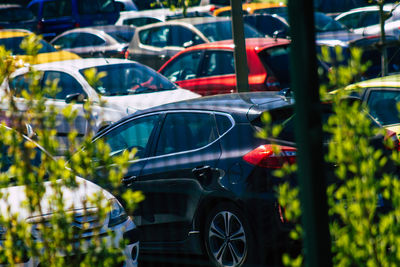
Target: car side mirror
{"type": "Point", "coordinates": [279, 34]}
{"type": "Point", "coordinates": [29, 131]}
{"type": "Point", "coordinates": [77, 97]}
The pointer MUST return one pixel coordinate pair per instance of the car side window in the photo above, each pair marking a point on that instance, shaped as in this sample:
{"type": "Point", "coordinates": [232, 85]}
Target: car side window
{"type": "Point", "coordinates": [223, 123]}
{"type": "Point", "coordinates": [133, 134]}
{"type": "Point", "coordinates": [186, 131]}
{"type": "Point", "coordinates": [382, 106]}
{"type": "Point", "coordinates": [218, 63]}
{"type": "Point", "coordinates": [369, 18]}
{"type": "Point", "coordinates": [88, 39]}
{"type": "Point", "coordinates": [67, 84]}
{"type": "Point", "coordinates": [157, 37]}
{"type": "Point", "coordinates": [183, 37]}
{"type": "Point", "coordinates": [67, 41]}
{"type": "Point", "coordinates": [351, 21]}
{"type": "Point", "coordinates": [57, 9]}
{"type": "Point", "coordinates": [184, 67]}
{"type": "Point", "coordinates": [20, 83]}
{"type": "Point", "coordinates": [34, 9]}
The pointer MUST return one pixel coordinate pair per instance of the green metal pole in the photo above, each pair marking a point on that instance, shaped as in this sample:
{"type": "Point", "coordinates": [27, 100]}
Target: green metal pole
{"type": "Point", "coordinates": [304, 82]}
{"type": "Point", "coordinates": [242, 82]}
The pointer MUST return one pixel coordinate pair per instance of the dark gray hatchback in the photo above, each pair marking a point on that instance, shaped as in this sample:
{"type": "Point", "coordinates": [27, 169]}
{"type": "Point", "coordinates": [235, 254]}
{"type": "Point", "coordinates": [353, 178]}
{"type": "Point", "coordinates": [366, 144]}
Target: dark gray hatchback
{"type": "Point", "coordinates": [206, 177]}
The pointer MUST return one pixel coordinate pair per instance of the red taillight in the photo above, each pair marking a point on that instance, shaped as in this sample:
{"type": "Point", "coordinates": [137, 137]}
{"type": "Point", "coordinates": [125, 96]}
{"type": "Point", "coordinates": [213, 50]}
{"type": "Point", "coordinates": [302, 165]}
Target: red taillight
{"type": "Point", "coordinates": [126, 54]}
{"type": "Point", "coordinates": [393, 136]}
{"type": "Point", "coordinates": [281, 211]}
{"type": "Point", "coordinates": [212, 8]}
{"type": "Point", "coordinates": [272, 83]}
{"type": "Point", "coordinates": [265, 156]}
{"type": "Point", "coordinates": [77, 25]}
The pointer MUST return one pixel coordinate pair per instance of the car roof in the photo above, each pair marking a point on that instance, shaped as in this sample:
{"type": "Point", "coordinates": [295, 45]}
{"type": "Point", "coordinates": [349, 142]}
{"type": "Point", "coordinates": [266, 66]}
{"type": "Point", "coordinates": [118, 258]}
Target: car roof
{"type": "Point", "coordinates": [387, 81]}
{"type": "Point", "coordinates": [242, 106]}
{"type": "Point", "coordinates": [83, 63]}
{"type": "Point", "coordinates": [251, 43]}
{"type": "Point", "coordinates": [194, 20]}
{"type": "Point", "coordinates": [251, 6]}
{"type": "Point", "coordinates": [12, 34]}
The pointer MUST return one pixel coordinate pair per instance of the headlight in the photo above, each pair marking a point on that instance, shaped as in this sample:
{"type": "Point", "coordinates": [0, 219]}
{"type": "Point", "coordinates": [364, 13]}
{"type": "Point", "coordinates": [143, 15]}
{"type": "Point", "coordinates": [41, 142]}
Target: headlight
{"type": "Point", "coordinates": [117, 214]}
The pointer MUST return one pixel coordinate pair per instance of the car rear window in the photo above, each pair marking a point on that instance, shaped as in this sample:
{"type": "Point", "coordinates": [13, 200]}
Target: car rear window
{"type": "Point", "coordinates": [222, 30]}
{"type": "Point", "coordinates": [15, 14]}
{"type": "Point", "coordinates": [13, 45]}
{"type": "Point", "coordinates": [382, 105]}
{"type": "Point", "coordinates": [122, 36]}
{"type": "Point", "coordinates": [276, 59]}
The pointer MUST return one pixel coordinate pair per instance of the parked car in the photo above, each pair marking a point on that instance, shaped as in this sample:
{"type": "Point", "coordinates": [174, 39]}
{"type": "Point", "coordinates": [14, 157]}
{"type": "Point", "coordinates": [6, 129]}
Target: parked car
{"type": "Point", "coordinates": [269, 25]}
{"type": "Point", "coordinates": [141, 18]}
{"type": "Point", "coordinates": [363, 16]}
{"type": "Point", "coordinates": [253, 8]}
{"type": "Point", "coordinates": [382, 96]}
{"type": "Point", "coordinates": [209, 68]}
{"type": "Point", "coordinates": [99, 41]}
{"type": "Point", "coordinates": [154, 44]}
{"type": "Point", "coordinates": [116, 228]}
{"type": "Point", "coordinates": [207, 178]}
{"type": "Point", "coordinates": [371, 54]}
{"type": "Point", "coordinates": [366, 27]}
{"type": "Point", "coordinates": [128, 87]}
{"type": "Point", "coordinates": [16, 16]}
{"type": "Point", "coordinates": [12, 39]}
{"type": "Point", "coordinates": [57, 16]}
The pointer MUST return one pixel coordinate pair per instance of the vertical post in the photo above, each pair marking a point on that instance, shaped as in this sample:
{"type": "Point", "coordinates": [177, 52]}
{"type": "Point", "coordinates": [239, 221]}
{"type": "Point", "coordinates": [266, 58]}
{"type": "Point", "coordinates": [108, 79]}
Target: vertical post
{"type": "Point", "coordinates": [308, 131]}
{"type": "Point", "coordinates": [384, 65]}
{"type": "Point", "coordinates": [241, 69]}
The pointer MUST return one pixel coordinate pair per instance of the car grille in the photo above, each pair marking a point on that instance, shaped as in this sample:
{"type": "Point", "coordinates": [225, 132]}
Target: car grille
{"type": "Point", "coordinates": [85, 225]}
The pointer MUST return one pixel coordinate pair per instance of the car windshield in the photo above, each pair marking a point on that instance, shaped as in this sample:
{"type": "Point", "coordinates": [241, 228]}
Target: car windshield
{"type": "Point", "coordinates": [382, 105]}
{"type": "Point", "coordinates": [132, 78]}
{"type": "Point", "coordinates": [16, 14]}
{"type": "Point", "coordinates": [324, 23]}
{"type": "Point", "coordinates": [13, 45]}
{"type": "Point", "coordinates": [276, 59]}
{"type": "Point", "coordinates": [222, 30]}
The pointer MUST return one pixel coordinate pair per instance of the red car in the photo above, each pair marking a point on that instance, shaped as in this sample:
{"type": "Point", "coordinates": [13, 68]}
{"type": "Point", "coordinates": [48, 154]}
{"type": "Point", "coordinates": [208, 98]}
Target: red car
{"type": "Point", "coordinates": [209, 69]}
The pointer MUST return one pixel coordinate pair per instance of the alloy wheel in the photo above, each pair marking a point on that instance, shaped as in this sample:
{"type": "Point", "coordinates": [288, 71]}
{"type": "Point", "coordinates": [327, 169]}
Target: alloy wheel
{"type": "Point", "coordinates": [227, 239]}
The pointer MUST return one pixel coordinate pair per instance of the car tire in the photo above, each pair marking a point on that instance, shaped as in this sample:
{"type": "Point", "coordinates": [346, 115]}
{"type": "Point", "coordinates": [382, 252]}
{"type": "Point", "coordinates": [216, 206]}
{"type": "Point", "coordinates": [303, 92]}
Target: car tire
{"type": "Point", "coordinates": [227, 237]}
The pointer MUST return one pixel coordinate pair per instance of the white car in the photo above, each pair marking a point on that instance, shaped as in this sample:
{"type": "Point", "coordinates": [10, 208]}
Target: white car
{"type": "Point", "coordinates": [141, 18]}
{"type": "Point", "coordinates": [128, 86]}
{"type": "Point", "coordinates": [84, 214]}
{"type": "Point", "coordinates": [365, 20]}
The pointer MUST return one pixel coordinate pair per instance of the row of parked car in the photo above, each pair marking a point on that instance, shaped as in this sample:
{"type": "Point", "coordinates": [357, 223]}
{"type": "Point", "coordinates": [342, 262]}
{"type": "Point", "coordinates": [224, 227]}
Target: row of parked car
{"type": "Point", "coordinates": [207, 179]}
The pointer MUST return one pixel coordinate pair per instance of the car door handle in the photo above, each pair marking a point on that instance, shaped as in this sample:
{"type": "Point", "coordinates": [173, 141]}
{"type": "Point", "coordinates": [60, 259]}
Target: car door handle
{"type": "Point", "coordinates": [129, 180]}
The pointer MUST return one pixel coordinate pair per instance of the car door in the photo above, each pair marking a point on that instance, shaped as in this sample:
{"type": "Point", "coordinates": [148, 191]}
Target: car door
{"type": "Point", "coordinates": [152, 43]}
{"type": "Point", "coordinates": [67, 85]}
{"type": "Point", "coordinates": [56, 17]}
{"type": "Point", "coordinates": [174, 179]}
{"type": "Point", "coordinates": [136, 133]}
{"type": "Point", "coordinates": [217, 74]}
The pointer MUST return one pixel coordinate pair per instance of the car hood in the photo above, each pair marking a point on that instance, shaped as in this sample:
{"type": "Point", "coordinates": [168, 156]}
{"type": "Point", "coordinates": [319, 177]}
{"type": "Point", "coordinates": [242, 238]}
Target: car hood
{"type": "Point", "coordinates": [15, 197]}
{"type": "Point", "coordinates": [133, 103]}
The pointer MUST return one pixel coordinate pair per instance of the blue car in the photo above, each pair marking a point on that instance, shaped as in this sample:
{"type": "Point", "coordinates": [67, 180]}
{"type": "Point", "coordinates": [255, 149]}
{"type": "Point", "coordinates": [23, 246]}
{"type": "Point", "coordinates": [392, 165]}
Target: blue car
{"type": "Point", "coordinates": [57, 16]}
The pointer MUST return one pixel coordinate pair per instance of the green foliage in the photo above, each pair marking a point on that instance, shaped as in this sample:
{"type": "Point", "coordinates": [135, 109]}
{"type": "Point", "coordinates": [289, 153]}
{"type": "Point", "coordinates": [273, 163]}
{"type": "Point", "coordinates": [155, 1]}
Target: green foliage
{"type": "Point", "coordinates": [38, 223]}
{"type": "Point", "coordinates": [362, 232]}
